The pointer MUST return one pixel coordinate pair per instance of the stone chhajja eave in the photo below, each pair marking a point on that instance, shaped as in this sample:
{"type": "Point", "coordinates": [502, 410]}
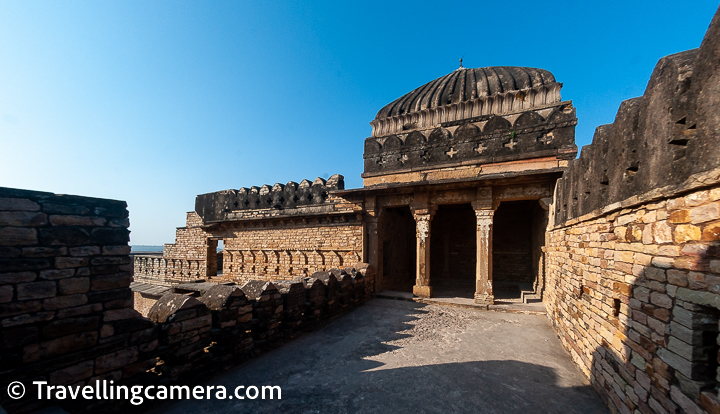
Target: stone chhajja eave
{"type": "Point", "coordinates": [500, 104]}
{"type": "Point", "coordinates": [273, 217]}
{"type": "Point", "coordinates": [694, 182]}
{"type": "Point", "coordinates": [524, 177]}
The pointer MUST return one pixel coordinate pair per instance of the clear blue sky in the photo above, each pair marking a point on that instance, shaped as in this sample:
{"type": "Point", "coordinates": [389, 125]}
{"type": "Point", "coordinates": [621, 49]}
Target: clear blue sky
{"type": "Point", "coordinates": [153, 102]}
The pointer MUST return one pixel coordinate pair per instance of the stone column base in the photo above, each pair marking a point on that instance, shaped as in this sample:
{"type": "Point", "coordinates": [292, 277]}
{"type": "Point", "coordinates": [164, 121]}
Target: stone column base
{"type": "Point", "coordinates": [422, 291]}
{"type": "Point", "coordinates": [484, 299]}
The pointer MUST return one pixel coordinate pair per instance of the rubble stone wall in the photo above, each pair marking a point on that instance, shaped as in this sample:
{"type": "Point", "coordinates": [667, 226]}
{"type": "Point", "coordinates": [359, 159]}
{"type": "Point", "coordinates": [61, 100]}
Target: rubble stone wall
{"type": "Point", "coordinates": [633, 249]}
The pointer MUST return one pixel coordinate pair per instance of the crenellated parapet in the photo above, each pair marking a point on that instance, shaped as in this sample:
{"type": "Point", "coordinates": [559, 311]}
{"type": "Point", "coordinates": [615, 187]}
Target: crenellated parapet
{"type": "Point", "coordinates": [660, 143]}
{"type": "Point", "coordinates": [279, 200]}
{"type": "Point", "coordinates": [539, 132]}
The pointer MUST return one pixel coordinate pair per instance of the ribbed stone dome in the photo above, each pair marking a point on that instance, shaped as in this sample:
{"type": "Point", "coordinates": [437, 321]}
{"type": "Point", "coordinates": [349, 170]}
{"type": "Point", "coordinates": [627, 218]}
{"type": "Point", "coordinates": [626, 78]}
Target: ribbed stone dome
{"type": "Point", "coordinates": [466, 84]}
{"type": "Point", "coordinates": [468, 93]}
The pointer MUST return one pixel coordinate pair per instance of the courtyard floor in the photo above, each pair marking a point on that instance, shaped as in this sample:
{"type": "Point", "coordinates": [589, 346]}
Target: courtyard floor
{"type": "Point", "coordinates": [392, 356]}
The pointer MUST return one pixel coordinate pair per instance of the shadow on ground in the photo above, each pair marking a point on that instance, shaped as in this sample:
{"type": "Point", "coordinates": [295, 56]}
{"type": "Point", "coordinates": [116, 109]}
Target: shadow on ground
{"type": "Point", "coordinates": [355, 364]}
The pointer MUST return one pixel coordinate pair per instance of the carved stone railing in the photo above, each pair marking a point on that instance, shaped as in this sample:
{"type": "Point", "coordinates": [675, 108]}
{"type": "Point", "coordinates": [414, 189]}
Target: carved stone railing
{"type": "Point", "coordinates": [242, 263]}
{"type": "Point", "coordinates": [158, 269]}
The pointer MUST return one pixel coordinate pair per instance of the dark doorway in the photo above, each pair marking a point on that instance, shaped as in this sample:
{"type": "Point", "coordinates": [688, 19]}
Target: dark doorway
{"type": "Point", "coordinates": [453, 251]}
{"type": "Point", "coordinates": [214, 263]}
{"type": "Point", "coordinates": [518, 235]}
{"type": "Point", "coordinates": [398, 249]}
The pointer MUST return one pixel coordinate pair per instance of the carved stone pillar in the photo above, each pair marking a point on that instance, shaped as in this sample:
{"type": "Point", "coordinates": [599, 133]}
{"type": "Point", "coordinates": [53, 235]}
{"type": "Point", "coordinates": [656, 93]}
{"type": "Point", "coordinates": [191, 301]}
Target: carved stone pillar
{"type": "Point", "coordinates": [483, 271]}
{"type": "Point", "coordinates": [422, 286]}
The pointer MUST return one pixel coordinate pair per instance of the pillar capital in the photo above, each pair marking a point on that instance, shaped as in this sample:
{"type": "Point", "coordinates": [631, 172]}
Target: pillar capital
{"type": "Point", "coordinates": [422, 226]}
{"type": "Point", "coordinates": [484, 217]}
{"type": "Point", "coordinates": [422, 206]}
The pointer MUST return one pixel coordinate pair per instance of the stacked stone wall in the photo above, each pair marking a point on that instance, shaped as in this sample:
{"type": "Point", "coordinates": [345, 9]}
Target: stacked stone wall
{"type": "Point", "coordinates": [627, 292]}
{"type": "Point", "coordinates": [269, 233]}
{"type": "Point", "coordinates": [633, 248]}
{"type": "Point", "coordinates": [292, 249]}
{"type": "Point", "coordinates": [66, 311]}
{"type": "Point", "coordinates": [67, 316]}
{"type": "Point", "coordinates": [268, 250]}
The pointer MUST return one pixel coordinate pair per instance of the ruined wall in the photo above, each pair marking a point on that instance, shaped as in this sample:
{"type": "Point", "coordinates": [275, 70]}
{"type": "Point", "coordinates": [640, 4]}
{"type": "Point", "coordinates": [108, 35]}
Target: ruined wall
{"type": "Point", "coordinates": [633, 253]}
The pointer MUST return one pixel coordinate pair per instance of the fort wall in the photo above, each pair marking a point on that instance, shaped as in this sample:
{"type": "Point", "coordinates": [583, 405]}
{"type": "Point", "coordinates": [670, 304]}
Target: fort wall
{"type": "Point", "coordinates": [67, 316]}
{"type": "Point", "coordinates": [633, 249]}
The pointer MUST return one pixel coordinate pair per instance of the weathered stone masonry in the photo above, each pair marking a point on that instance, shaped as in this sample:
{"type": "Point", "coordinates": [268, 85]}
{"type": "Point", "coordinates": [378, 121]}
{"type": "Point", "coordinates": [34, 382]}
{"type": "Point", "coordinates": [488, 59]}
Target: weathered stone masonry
{"type": "Point", "coordinates": [471, 142]}
{"type": "Point", "coordinates": [269, 233]}
{"type": "Point", "coordinates": [633, 255]}
{"type": "Point", "coordinates": [66, 307]}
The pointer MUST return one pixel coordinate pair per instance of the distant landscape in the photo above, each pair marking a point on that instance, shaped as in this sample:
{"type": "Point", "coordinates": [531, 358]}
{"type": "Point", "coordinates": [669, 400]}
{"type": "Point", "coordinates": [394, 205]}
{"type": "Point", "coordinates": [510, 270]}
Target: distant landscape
{"type": "Point", "coordinates": [145, 248]}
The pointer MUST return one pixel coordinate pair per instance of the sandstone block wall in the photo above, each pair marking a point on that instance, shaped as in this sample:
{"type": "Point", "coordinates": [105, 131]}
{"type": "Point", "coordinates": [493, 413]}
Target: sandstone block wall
{"type": "Point", "coordinates": [633, 249]}
{"type": "Point", "coordinates": [66, 311]}
{"type": "Point", "coordinates": [66, 307]}
{"type": "Point", "coordinates": [269, 233]}
{"type": "Point", "coordinates": [293, 249]}
{"type": "Point", "coordinates": [634, 295]}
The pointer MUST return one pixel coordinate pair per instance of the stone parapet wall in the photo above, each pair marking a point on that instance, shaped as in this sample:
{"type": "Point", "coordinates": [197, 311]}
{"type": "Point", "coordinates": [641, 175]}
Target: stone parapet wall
{"type": "Point", "coordinates": [163, 271]}
{"type": "Point", "coordinates": [264, 250]}
{"type": "Point", "coordinates": [67, 316]}
{"type": "Point", "coordinates": [66, 311]}
{"type": "Point", "coordinates": [280, 200]}
{"type": "Point", "coordinates": [633, 247]}
{"type": "Point", "coordinates": [656, 142]}
{"type": "Point", "coordinates": [293, 249]}
{"type": "Point", "coordinates": [627, 291]}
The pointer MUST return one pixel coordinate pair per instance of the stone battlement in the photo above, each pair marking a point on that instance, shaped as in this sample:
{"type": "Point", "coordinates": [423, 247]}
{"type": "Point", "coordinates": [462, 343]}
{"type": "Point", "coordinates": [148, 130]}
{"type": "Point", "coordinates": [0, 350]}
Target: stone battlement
{"type": "Point", "coordinates": [291, 199]}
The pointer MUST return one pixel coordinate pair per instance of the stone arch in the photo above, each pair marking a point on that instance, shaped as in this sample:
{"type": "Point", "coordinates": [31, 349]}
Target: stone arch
{"type": "Point", "coordinates": [440, 134]}
{"type": "Point", "coordinates": [414, 139]}
{"type": "Point", "coordinates": [466, 131]}
{"type": "Point", "coordinates": [496, 123]}
{"type": "Point", "coordinates": [372, 146]}
{"type": "Point", "coordinates": [528, 119]}
{"type": "Point", "coordinates": [392, 143]}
